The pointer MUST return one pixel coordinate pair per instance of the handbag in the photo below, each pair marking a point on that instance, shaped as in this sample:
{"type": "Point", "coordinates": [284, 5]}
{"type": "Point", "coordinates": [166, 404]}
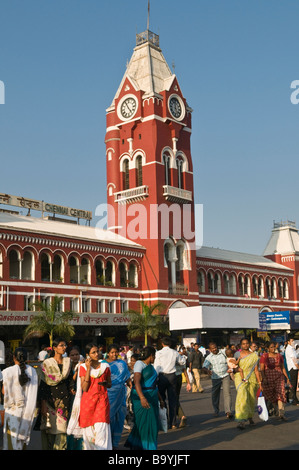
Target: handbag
{"type": "Point", "coordinates": [163, 418]}
{"type": "Point", "coordinates": [262, 408]}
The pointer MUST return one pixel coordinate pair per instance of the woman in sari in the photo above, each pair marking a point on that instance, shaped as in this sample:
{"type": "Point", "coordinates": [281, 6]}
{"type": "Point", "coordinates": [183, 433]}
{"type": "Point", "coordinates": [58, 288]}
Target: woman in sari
{"type": "Point", "coordinates": [120, 375]}
{"type": "Point", "coordinates": [246, 388]}
{"type": "Point", "coordinates": [145, 401]}
{"type": "Point", "coordinates": [90, 414]}
{"type": "Point", "coordinates": [74, 443]}
{"type": "Point", "coordinates": [56, 389]}
{"type": "Point", "coordinates": [274, 376]}
{"type": "Point", "coordinates": [20, 385]}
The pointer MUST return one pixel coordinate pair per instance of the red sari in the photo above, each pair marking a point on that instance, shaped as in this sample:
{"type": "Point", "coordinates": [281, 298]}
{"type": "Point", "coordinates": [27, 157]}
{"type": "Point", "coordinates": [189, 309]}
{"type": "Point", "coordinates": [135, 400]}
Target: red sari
{"type": "Point", "coordinates": [95, 406]}
{"type": "Point", "coordinates": [274, 390]}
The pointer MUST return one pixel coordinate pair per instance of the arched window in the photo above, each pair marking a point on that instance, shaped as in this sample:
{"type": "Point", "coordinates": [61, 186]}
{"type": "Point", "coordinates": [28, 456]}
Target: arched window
{"type": "Point", "coordinates": [74, 270]}
{"type": "Point", "coordinates": [123, 275]}
{"type": "Point", "coordinates": [14, 265]}
{"type": "Point", "coordinates": [285, 289]}
{"type": "Point", "coordinates": [28, 266]}
{"type": "Point", "coordinates": [45, 267]}
{"type": "Point", "coordinates": [58, 269]}
{"type": "Point", "coordinates": [179, 165]}
{"type": "Point", "coordinates": [213, 283]}
{"type": "Point", "coordinates": [139, 179]}
{"type": "Point", "coordinates": [201, 281]}
{"type": "Point", "coordinates": [166, 161]}
{"type": "Point", "coordinates": [132, 275]}
{"type": "Point", "coordinates": [100, 279]}
{"type": "Point", "coordinates": [241, 284]}
{"type": "Point", "coordinates": [126, 180]}
{"type": "Point", "coordinates": [85, 271]}
{"type": "Point", "coordinates": [109, 274]}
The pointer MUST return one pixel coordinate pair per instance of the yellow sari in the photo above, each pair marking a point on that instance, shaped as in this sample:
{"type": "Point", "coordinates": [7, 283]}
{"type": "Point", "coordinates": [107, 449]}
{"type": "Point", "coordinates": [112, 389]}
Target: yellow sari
{"type": "Point", "coordinates": [246, 391]}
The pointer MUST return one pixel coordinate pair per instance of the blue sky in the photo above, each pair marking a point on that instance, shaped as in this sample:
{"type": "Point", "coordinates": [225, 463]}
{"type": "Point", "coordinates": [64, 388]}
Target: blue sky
{"type": "Point", "coordinates": [62, 61]}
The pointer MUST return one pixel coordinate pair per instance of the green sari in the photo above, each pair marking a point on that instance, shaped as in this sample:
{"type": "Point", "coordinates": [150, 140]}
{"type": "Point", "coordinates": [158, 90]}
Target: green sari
{"type": "Point", "coordinates": [246, 391]}
{"type": "Point", "coordinates": [144, 434]}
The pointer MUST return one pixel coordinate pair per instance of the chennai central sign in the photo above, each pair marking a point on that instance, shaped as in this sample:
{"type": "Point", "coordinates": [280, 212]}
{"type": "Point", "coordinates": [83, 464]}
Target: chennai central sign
{"type": "Point", "coordinates": [43, 206]}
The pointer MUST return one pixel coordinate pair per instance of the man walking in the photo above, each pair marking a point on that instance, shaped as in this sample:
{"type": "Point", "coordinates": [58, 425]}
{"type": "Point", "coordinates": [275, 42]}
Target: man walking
{"type": "Point", "coordinates": [195, 365]}
{"type": "Point", "coordinates": [165, 365]}
{"type": "Point", "coordinates": [293, 366]}
{"type": "Point", "coordinates": [216, 366]}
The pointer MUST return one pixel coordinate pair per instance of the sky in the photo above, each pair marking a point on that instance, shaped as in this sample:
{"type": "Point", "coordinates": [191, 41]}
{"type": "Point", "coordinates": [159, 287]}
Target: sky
{"type": "Point", "coordinates": [61, 62]}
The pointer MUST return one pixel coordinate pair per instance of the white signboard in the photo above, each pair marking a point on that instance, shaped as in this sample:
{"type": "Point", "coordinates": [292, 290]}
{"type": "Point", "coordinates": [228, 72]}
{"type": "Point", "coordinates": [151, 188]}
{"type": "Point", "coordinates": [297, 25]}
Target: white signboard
{"type": "Point", "coordinates": [202, 317]}
{"type": "Point", "coordinates": [42, 206]}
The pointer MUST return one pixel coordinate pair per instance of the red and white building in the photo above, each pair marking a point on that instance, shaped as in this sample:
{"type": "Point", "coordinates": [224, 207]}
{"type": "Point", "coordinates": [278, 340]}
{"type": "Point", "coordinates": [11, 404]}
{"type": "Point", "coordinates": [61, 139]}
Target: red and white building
{"type": "Point", "coordinates": [148, 251]}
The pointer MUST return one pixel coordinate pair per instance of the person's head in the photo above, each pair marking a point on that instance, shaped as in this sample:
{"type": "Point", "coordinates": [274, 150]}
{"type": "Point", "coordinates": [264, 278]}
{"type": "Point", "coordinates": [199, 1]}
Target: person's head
{"type": "Point", "coordinates": [196, 346]}
{"type": "Point", "coordinates": [182, 350]}
{"type": "Point", "coordinates": [245, 344]}
{"type": "Point", "coordinates": [112, 352]}
{"type": "Point", "coordinates": [166, 341]}
{"type": "Point", "coordinates": [92, 351]}
{"type": "Point", "coordinates": [213, 348]}
{"type": "Point", "coordinates": [272, 346]}
{"type": "Point", "coordinates": [20, 358]}
{"type": "Point", "coordinates": [229, 352]}
{"type": "Point", "coordinates": [148, 352]}
{"type": "Point", "coordinates": [291, 341]}
{"type": "Point", "coordinates": [253, 346]}
{"type": "Point", "coordinates": [134, 358]}
{"type": "Point", "coordinates": [74, 354]}
{"type": "Point", "coordinates": [59, 346]}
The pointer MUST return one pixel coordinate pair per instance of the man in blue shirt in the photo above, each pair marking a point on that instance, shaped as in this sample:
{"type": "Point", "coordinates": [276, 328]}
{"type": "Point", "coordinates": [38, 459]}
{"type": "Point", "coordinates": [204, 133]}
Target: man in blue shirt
{"type": "Point", "coordinates": [215, 365]}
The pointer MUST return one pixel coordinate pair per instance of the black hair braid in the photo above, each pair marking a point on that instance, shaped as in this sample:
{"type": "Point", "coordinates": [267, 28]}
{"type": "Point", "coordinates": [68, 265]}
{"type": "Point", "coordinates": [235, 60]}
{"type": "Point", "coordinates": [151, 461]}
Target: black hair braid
{"type": "Point", "coordinates": [21, 356]}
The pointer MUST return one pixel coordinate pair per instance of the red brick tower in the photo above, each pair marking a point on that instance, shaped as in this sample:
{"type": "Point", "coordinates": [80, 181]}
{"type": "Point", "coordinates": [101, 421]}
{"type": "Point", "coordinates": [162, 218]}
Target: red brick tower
{"type": "Point", "coordinates": [150, 173]}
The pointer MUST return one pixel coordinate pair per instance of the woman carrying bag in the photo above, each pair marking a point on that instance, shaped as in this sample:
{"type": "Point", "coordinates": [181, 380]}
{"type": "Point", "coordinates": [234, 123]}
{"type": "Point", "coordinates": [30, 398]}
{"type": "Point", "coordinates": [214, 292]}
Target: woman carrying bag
{"type": "Point", "coordinates": [145, 401]}
{"type": "Point", "coordinates": [274, 376]}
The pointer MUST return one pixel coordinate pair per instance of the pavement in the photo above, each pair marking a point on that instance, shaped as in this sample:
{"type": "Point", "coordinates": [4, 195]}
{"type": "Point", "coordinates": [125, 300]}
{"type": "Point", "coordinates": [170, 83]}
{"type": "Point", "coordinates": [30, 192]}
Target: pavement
{"type": "Point", "coordinates": [204, 431]}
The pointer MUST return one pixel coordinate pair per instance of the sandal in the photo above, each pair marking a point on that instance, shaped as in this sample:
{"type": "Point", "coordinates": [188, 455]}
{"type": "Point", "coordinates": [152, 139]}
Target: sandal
{"type": "Point", "coordinates": [183, 422]}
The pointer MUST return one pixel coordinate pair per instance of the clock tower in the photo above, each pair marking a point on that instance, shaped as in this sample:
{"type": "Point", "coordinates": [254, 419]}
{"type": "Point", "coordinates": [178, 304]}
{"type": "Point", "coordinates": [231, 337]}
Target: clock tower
{"type": "Point", "coordinates": [150, 191]}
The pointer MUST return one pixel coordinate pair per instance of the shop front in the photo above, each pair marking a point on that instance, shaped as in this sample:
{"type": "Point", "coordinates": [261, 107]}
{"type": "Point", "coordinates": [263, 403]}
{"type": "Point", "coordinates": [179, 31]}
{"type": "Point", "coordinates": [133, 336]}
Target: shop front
{"type": "Point", "coordinates": [103, 328]}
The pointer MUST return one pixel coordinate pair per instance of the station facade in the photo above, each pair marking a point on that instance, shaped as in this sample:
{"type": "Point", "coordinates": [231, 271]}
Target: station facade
{"type": "Point", "coordinates": [148, 251]}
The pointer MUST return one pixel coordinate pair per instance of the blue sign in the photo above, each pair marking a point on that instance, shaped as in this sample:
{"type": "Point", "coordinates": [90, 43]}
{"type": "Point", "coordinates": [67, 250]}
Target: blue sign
{"type": "Point", "coordinates": [275, 320]}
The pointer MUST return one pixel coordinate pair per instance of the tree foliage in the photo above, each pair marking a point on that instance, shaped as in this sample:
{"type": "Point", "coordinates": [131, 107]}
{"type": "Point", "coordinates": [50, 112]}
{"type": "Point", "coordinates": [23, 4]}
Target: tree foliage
{"type": "Point", "coordinates": [147, 321]}
{"type": "Point", "coordinates": [50, 321]}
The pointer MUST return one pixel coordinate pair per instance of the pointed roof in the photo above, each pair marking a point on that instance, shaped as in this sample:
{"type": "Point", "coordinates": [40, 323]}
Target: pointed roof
{"type": "Point", "coordinates": [147, 70]}
{"type": "Point", "coordinates": [284, 239]}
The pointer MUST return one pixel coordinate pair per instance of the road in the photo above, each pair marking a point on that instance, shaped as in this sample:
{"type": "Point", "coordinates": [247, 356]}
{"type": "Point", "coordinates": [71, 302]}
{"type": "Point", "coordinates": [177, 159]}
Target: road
{"type": "Point", "coordinates": [206, 432]}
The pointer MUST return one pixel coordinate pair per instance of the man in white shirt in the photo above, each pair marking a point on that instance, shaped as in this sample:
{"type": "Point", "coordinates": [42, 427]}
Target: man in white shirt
{"type": "Point", "coordinates": [165, 365]}
{"type": "Point", "coordinates": [293, 366]}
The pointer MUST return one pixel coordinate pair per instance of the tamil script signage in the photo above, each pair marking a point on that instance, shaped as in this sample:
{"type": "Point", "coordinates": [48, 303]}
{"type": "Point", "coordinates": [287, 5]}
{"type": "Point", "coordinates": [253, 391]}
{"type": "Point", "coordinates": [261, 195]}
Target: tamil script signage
{"type": "Point", "coordinates": [81, 319]}
{"type": "Point", "coordinates": [43, 206]}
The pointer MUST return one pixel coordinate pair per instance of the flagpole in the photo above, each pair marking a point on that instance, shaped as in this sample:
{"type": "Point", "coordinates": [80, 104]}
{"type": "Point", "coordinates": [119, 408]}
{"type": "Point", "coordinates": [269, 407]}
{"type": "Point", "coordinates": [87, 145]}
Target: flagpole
{"type": "Point", "coordinates": [148, 14]}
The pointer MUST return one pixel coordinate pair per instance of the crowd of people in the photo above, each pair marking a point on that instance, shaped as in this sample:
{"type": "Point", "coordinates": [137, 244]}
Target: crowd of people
{"type": "Point", "coordinates": [84, 402]}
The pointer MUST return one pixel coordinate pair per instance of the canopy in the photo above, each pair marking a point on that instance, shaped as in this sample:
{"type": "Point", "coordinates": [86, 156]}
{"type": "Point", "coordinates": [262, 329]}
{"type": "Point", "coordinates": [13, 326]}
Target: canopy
{"type": "Point", "coordinates": [204, 317]}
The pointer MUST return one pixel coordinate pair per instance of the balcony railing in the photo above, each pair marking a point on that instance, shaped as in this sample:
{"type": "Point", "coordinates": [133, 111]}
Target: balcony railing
{"type": "Point", "coordinates": [129, 196]}
{"type": "Point", "coordinates": [178, 289]}
{"type": "Point", "coordinates": [181, 196]}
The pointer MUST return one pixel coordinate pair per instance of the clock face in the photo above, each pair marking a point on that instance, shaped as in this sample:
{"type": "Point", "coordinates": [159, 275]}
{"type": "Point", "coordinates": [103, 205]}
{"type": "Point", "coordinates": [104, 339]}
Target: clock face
{"type": "Point", "coordinates": [176, 107]}
{"type": "Point", "coordinates": [128, 107]}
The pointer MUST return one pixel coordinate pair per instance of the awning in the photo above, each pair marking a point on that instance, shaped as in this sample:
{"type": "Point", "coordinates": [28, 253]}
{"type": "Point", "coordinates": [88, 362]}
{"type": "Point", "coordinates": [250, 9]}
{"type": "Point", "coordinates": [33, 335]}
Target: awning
{"type": "Point", "coordinates": [204, 317]}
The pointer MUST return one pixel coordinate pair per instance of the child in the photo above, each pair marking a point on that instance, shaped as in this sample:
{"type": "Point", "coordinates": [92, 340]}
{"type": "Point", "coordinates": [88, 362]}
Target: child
{"type": "Point", "coordinates": [233, 365]}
